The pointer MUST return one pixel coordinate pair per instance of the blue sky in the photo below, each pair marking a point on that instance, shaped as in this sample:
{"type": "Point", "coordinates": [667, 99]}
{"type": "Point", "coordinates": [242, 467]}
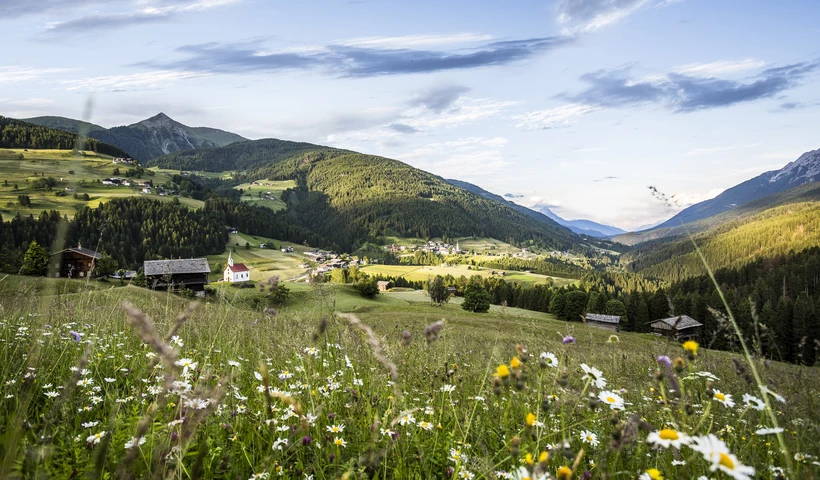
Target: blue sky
{"type": "Point", "coordinates": [575, 104]}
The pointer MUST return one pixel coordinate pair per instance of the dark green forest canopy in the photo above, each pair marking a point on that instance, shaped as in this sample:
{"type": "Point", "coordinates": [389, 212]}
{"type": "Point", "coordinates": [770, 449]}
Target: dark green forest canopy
{"type": "Point", "coordinates": [353, 198]}
{"type": "Point", "coordinates": [17, 134]}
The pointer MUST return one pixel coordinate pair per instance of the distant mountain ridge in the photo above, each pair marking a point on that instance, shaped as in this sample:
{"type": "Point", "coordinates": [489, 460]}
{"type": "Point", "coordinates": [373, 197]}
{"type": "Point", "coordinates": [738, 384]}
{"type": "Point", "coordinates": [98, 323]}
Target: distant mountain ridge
{"type": "Point", "coordinates": [148, 139]}
{"type": "Point", "coordinates": [804, 170]}
{"type": "Point", "coordinates": [580, 226]}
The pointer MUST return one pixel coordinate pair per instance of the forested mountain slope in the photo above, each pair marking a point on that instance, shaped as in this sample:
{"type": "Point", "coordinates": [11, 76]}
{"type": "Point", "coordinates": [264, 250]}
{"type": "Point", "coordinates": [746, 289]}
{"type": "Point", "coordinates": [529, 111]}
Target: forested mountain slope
{"type": "Point", "coordinates": [354, 198]}
{"type": "Point", "coordinates": [19, 134]}
{"type": "Point", "coordinates": [774, 231]}
{"type": "Point", "coordinates": [804, 170]}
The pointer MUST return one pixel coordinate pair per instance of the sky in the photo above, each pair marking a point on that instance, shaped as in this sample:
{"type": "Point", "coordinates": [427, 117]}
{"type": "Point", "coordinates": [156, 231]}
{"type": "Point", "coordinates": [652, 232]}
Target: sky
{"type": "Point", "coordinates": [578, 105]}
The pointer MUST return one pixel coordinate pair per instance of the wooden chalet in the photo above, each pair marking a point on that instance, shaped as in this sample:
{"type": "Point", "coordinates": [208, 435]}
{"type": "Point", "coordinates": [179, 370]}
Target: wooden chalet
{"type": "Point", "coordinates": [177, 274]}
{"type": "Point", "coordinates": [608, 322]}
{"type": "Point", "coordinates": [73, 263]}
{"type": "Point", "coordinates": [682, 327]}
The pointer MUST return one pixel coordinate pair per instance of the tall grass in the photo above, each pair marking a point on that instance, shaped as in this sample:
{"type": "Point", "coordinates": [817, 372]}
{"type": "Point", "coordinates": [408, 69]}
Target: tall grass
{"type": "Point", "coordinates": [222, 392]}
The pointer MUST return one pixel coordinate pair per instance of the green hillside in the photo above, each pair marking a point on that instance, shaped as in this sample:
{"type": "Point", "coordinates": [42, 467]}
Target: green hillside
{"type": "Point", "coordinates": [803, 193]}
{"type": "Point", "coordinates": [19, 134]}
{"type": "Point", "coordinates": [771, 232]}
{"type": "Point", "coordinates": [354, 198]}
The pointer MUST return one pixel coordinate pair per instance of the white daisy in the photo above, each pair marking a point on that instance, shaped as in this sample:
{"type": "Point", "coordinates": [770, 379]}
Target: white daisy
{"type": "Point", "coordinates": [550, 359]}
{"type": "Point", "coordinates": [715, 451]}
{"type": "Point", "coordinates": [753, 402]}
{"type": "Point", "coordinates": [593, 374]}
{"type": "Point", "coordinates": [724, 398]}
{"type": "Point", "coordinates": [668, 437]}
{"type": "Point", "coordinates": [590, 438]}
{"type": "Point", "coordinates": [95, 439]}
{"type": "Point", "coordinates": [612, 399]}
{"type": "Point", "coordinates": [769, 431]}
{"type": "Point", "coordinates": [134, 442]}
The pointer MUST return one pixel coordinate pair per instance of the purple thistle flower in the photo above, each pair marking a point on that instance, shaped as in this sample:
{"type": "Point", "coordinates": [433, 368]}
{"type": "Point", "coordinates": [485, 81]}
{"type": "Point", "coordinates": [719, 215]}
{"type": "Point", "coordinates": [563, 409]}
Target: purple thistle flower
{"type": "Point", "coordinates": [568, 339]}
{"type": "Point", "coordinates": [76, 336]}
{"type": "Point", "coordinates": [665, 361]}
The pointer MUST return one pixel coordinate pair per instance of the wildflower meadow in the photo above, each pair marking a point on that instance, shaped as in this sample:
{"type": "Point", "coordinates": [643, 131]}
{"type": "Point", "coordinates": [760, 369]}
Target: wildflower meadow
{"type": "Point", "coordinates": [127, 383]}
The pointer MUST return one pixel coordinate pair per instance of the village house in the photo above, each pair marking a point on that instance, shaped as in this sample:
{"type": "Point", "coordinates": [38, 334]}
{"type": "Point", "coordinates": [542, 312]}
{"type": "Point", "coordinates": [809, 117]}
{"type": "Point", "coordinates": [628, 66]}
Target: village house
{"type": "Point", "coordinates": [177, 274]}
{"type": "Point", "coordinates": [682, 327]}
{"type": "Point", "coordinates": [73, 263]}
{"type": "Point", "coordinates": [236, 272]}
{"type": "Point", "coordinates": [607, 322]}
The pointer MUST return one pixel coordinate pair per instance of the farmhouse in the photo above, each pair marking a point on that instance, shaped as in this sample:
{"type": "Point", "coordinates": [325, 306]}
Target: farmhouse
{"type": "Point", "coordinates": [73, 262]}
{"type": "Point", "coordinates": [608, 322]}
{"type": "Point", "coordinates": [189, 273]}
{"type": "Point", "coordinates": [682, 327]}
{"type": "Point", "coordinates": [383, 285]}
{"type": "Point", "coordinates": [236, 272]}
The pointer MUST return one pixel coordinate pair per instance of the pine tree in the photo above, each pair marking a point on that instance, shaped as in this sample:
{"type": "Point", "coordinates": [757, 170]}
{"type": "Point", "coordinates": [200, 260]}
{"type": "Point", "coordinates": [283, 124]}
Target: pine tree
{"type": "Point", "coordinates": [35, 261]}
{"type": "Point", "coordinates": [476, 298]}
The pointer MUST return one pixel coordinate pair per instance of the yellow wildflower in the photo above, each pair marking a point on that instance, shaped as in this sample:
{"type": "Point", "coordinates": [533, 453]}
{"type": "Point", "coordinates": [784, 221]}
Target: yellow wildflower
{"type": "Point", "coordinates": [691, 346]}
{"type": "Point", "coordinates": [502, 371]}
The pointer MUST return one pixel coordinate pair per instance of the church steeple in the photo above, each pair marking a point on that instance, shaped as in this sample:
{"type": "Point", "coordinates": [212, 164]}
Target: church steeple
{"type": "Point", "coordinates": [230, 259]}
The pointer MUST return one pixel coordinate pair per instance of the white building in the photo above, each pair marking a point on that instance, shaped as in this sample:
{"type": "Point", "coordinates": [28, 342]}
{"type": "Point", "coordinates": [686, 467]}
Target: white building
{"type": "Point", "coordinates": [236, 272]}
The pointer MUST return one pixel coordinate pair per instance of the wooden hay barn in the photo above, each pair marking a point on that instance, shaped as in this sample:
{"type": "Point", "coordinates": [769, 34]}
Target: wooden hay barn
{"type": "Point", "coordinates": [73, 263]}
{"type": "Point", "coordinates": [384, 285]}
{"type": "Point", "coordinates": [682, 327]}
{"type": "Point", "coordinates": [189, 273]}
{"type": "Point", "coordinates": [608, 322]}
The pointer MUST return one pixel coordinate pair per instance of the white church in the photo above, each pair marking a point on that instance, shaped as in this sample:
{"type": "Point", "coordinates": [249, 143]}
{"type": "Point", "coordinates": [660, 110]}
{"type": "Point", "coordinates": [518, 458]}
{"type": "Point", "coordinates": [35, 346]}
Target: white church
{"type": "Point", "coordinates": [236, 272]}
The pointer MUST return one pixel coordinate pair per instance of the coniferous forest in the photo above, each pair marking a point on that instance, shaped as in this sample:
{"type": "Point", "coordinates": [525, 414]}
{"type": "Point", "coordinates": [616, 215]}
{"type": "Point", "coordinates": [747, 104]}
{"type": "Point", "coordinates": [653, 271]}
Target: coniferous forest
{"type": "Point", "coordinates": [17, 134]}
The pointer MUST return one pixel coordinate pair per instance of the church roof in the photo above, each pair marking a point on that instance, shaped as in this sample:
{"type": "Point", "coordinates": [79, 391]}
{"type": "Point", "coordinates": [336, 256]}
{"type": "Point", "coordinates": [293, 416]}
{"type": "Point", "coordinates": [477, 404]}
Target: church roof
{"type": "Point", "coordinates": [237, 267]}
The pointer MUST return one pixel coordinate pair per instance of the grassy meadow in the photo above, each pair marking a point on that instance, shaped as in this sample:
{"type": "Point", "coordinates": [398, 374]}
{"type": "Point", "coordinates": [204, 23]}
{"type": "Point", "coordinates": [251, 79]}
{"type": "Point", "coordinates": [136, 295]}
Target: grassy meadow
{"type": "Point", "coordinates": [68, 168]}
{"type": "Point", "coordinates": [416, 273]}
{"type": "Point", "coordinates": [94, 387]}
{"type": "Point", "coordinates": [251, 193]}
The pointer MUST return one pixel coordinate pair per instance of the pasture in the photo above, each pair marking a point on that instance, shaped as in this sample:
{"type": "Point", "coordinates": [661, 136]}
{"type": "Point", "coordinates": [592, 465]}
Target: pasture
{"type": "Point", "coordinates": [300, 391]}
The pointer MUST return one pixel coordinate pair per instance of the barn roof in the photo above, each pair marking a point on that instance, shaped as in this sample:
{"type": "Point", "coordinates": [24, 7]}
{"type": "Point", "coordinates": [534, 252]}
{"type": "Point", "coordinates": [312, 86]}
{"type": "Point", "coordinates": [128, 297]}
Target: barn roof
{"type": "Point", "coordinates": [172, 267]}
{"type": "Point", "coordinates": [82, 251]}
{"type": "Point", "coordinates": [680, 322]}
{"type": "Point", "coordinates": [597, 317]}
{"type": "Point", "coordinates": [383, 282]}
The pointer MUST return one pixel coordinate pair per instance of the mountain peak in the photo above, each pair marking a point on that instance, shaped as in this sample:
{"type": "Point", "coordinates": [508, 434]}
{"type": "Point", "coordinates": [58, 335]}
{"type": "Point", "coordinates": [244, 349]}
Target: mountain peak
{"type": "Point", "coordinates": [806, 168]}
{"type": "Point", "coordinates": [158, 120]}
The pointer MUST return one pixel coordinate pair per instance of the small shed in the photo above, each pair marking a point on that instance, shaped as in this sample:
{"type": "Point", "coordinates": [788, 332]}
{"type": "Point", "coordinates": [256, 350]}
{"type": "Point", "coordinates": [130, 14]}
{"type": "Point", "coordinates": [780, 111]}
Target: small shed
{"type": "Point", "coordinates": [383, 285]}
{"type": "Point", "coordinates": [608, 322]}
{"type": "Point", "coordinates": [177, 274]}
{"type": "Point", "coordinates": [682, 327]}
{"type": "Point", "coordinates": [73, 262]}
{"type": "Point", "coordinates": [452, 291]}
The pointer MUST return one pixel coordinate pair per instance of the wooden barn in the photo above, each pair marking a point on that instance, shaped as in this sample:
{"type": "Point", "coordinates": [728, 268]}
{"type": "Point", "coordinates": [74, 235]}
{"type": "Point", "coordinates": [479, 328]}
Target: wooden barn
{"type": "Point", "coordinates": [682, 327]}
{"type": "Point", "coordinates": [73, 263]}
{"type": "Point", "coordinates": [189, 273]}
{"type": "Point", "coordinates": [384, 285]}
{"type": "Point", "coordinates": [608, 322]}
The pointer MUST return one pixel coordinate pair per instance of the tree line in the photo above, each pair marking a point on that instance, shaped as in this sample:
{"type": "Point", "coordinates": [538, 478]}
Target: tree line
{"type": "Point", "coordinates": [17, 134]}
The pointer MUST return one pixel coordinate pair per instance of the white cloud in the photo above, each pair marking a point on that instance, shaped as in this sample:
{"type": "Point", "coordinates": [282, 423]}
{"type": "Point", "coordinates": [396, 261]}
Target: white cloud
{"type": "Point", "coordinates": [136, 81]}
{"type": "Point", "coordinates": [13, 74]}
{"type": "Point", "coordinates": [553, 117]}
{"type": "Point", "coordinates": [463, 158]}
{"type": "Point", "coordinates": [578, 16]}
{"type": "Point", "coordinates": [696, 152]}
{"type": "Point", "coordinates": [414, 41]}
{"type": "Point", "coordinates": [719, 68]}
{"type": "Point", "coordinates": [464, 110]}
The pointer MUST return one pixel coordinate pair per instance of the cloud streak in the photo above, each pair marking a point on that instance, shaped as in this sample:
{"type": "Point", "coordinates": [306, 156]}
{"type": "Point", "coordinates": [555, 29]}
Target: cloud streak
{"type": "Point", "coordinates": [689, 92]}
{"type": "Point", "coordinates": [141, 16]}
{"type": "Point", "coordinates": [590, 15]}
{"type": "Point", "coordinates": [348, 60]}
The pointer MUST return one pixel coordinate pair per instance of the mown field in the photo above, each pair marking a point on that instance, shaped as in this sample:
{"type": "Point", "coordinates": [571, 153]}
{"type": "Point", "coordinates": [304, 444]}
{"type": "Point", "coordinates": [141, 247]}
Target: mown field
{"type": "Point", "coordinates": [298, 391]}
{"type": "Point", "coordinates": [251, 193]}
{"type": "Point", "coordinates": [422, 273]}
{"type": "Point", "coordinates": [60, 164]}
